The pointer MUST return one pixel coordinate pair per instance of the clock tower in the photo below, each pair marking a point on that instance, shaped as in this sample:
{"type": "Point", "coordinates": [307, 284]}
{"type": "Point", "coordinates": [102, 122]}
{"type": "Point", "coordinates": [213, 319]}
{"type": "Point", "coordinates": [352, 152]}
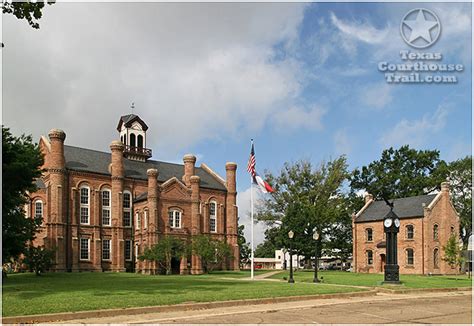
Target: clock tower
{"type": "Point", "coordinates": [391, 225]}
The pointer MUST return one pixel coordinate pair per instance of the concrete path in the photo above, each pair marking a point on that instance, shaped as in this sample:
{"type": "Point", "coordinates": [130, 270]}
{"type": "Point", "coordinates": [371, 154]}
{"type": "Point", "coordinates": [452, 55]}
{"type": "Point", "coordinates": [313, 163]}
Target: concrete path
{"type": "Point", "coordinates": [446, 307]}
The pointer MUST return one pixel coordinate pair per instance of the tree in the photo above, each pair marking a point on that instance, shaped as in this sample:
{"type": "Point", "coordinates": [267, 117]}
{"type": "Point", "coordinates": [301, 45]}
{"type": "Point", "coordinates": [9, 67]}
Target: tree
{"type": "Point", "coordinates": [164, 251]}
{"type": "Point", "coordinates": [38, 259]}
{"type": "Point", "coordinates": [460, 176]}
{"type": "Point", "coordinates": [31, 11]}
{"type": "Point", "coordinates": [243, 246]}
{"type": "Point", "coordinates": [211, 251]}
{"type": "Point", "coordinates": [305, 199]}
{"type": "Point", "coordinates": [404, 172]}
{"type": "Point", "coordinates": [21, 164]}
{"type": "Point", "coordinates": [452, 253]}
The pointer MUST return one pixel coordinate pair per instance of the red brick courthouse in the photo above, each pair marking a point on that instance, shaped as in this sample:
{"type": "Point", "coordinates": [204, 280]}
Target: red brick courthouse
{"type": "Point", "coordinates": [101, 209]}
{"type": "Point", "coordinates": [426, 223]}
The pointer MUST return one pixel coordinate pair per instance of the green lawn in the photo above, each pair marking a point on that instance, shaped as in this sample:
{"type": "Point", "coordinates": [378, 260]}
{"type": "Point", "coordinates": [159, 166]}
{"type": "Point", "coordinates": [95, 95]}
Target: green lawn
{"type": "Point", "coordinates": [362, 279]}
{"type": "Point", "coordinates": [26, 294]}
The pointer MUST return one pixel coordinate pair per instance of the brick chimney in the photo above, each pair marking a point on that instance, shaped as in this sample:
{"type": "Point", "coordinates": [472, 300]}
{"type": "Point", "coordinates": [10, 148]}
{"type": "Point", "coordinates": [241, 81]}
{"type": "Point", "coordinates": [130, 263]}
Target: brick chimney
{"type": "Point", "coordinates": [189, 161]}
{"type": "Point", "coordinates": [231, 213]}
{"type": "Point", "coordinates": [445, 186]}
{"type": "Point", "coordinates": [152, 213]}
{"type": "Point", "coordinates": [196, 265]}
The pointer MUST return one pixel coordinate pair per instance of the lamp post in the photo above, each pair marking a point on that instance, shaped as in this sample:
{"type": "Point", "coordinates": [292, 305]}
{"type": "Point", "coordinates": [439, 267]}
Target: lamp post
{"type": "Point", "coordinates": [391, 227]}
{"type": "Point", "coordinates": [316, 238]}
{"type": "Point", "coordinates": [284, 259]}
{"type": "Point", "coordinates": [291, 234]}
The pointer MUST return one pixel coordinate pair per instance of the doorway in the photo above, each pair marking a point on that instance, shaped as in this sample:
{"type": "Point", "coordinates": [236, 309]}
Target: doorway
{"type": "Point", "coordinates": [175, 263]}
{"type": "Point", "coordinates": [382, 263]}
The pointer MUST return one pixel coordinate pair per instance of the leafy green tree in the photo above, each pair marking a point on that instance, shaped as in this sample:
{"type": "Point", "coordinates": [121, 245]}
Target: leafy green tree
{"type": "Point", "coordinates": [244, 246]}
{"type": "Point", "coordinates": [38, 259]}
{"type": "Point", "coordinates": [452, 253]}
{"type": "Point", "coordinates": [402, 172]}
{"type": "Point", "coordinates": [305, 198]}
{"type": "Point", "coordinates": [267, 248]}
{"type": "Point", "coordinates": [213, 253]}
{"type": "Point", "coordinates": [28, 10]}
{"type": "Point", "coordinates": [21, 164]}
{"type": "Point", "coordinates": [167, 248]}
{"type": "Point", "coordinates": [460, 176]}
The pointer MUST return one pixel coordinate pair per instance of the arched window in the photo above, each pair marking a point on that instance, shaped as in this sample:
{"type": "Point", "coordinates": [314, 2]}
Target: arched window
{"type": "Point", "coordinates": [435, 232]}
{"type": "Point", "coordinates": [369, 236]}
{"type": "Point", "coordinates": [410, 256]}
{"type": "Point", "coordinates": [138, 221]}
{"type": "Point", "coordinates": [212, 216]}
{"type": "Point", "coordinates": [127, 209]}
{"type": "Point", "coordinates": [106, 207]}
{"type": "Point", "coordinates": [410, 231]}
{"type": "Point", "coordinates": [132, 140]}
{"type": "Point", "coordinates": [140, 141]}
{"type": "Point", "coordinates": [38, 209]}
{"type": "Point", "coordinates": [436, 258]}
{"type": "Point", "coordinates": [145, 219]}
{"type": "Point", "coordinates": [174, 217]}
{"type": "Point", "coordinates": [370, 257]}
{"type": "Point", "coordinates": [84, 204]}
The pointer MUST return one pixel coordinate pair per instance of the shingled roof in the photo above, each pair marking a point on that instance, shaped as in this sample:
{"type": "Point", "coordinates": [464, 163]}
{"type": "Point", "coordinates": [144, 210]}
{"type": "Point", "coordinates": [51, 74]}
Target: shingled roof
{"type": "Point", "coordinates": [403, 207]}
{"type": "Point", "coordinates": [88, 160]}
{"type": "Point", "coordinates": [128, 119]}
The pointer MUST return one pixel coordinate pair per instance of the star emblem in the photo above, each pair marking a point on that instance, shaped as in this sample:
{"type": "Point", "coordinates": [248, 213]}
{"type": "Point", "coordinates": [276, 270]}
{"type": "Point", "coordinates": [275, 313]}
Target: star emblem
{"type": "Point", "coordinates": [418, 32]}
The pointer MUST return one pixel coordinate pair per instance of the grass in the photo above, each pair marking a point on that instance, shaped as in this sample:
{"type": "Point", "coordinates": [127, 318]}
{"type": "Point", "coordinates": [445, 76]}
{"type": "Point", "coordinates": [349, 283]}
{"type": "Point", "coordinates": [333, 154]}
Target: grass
{"type": "Point", "coordinates": [26, 294]}
{"type": "Point", "coordinates": [362, 279]}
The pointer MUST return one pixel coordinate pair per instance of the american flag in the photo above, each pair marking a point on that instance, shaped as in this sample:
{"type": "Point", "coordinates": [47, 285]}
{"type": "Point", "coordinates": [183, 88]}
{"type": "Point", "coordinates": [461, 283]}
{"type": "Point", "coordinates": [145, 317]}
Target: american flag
{"type": "Point", "coordinates": [251, 164]}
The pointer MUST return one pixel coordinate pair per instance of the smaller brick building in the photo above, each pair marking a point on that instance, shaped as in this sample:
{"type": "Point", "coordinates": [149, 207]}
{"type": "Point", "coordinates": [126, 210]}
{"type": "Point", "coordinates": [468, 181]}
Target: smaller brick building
{"type": "Point", "coordinates": [426, 223]}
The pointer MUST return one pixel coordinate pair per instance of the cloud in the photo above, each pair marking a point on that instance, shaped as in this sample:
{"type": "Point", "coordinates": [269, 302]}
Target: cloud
{"type": "Point", "coordinates": [416, 132]}
{"type": "Point", "coordinates": [243, 202]}
{"type": "Point", "coordinates": [362, 31]}
{"type": "Point", "coordinates": [342, 143]}
{"type": "Point", "coordinates": [377, 95]}
{"type": "Point", "coordinates": [192, 78]}
{"type": "Point", "coordinates": [297, 118]}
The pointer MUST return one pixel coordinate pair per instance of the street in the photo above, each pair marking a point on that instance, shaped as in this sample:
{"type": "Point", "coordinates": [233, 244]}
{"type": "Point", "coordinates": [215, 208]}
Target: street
{"type": "Point", "coordinates": [431, 308]}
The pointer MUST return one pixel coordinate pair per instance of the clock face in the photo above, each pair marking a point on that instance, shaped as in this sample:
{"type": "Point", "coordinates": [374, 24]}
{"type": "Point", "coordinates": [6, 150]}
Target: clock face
{"type": "Point", "coordinates": [397, 223]}
{"type": "Point", "coordinates": [387, 222]}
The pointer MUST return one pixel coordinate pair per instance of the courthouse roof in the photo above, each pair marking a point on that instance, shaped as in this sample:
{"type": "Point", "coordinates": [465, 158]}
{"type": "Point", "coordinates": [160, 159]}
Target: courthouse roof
{"type": "Point", "coordinates": [88, 160]}
{"type": "Point", "coordinates": [128, 119]}
{"type": "Point", "coordinates": [403, 207]}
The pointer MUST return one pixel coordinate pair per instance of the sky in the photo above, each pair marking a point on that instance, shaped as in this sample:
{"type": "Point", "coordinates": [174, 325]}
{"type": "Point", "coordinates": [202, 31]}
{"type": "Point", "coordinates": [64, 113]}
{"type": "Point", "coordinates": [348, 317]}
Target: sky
{"type": "Point", "coordinates": [301, 79]}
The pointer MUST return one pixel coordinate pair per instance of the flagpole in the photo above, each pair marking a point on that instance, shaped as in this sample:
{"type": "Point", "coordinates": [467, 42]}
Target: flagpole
{"type": "Point", "coordinates": [251, 225]}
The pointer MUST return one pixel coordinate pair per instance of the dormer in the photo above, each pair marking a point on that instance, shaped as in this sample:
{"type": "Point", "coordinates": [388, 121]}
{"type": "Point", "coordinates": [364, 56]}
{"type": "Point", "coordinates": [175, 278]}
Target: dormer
{"type": "Point", "coordinates": [132, 131]}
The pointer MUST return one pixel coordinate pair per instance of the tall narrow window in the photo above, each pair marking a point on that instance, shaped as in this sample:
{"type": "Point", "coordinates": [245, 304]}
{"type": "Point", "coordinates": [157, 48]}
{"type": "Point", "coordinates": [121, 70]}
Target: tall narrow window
{"type": "Point", "coordinates": [140, 141]}
{"type": "Point", "coordinates": [106, 207]}
{"type": "Point", "coordinates": [435, 232]}
{"type": "Point", "coordinates": [84, 249]}
{"type": "Point", "coordinates": [138, 221]}
{"type": "Point", "coordinates": [410, 231]}
{"type": "Point", "coordinates": [212, 216]}
{"type": "Point", "coordinates": [128, 249]}
{"type": "Point", "coordinates": [174, 217]}
{"type": "Point", "coordinates": [436, 258]}
{"type": "Point", "coordinates": [127, 209]}
{"type": "Point", "coordinates": [145, 219]}
{"type": "Point", "coordinates": [38, 209]}
{"type": "Point", "coordinates": [84, 205]}
{"type": "Point", "coordinates": [106, 249]}
{"type": "Point", "coordinates": [370, 257]}
{"type": "Point", "coordinates": [137, 252]}
{"type": "Point", "coordinates": [132, 140]}
{"type": "Point", "coordinates": [410, 256]}
{"type": "Point", "coordinates": [369, 234]}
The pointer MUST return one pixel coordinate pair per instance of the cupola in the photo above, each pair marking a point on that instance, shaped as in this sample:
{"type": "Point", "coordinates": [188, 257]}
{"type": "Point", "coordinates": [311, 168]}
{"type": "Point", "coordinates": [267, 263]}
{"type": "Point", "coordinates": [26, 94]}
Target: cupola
{"type": "Point", "coordinates": [132, 131]}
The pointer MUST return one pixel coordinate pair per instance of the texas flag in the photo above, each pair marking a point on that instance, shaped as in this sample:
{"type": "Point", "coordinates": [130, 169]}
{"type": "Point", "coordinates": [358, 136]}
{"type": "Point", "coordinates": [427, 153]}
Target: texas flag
{"type": "Point", "coordinates": [257, 179]}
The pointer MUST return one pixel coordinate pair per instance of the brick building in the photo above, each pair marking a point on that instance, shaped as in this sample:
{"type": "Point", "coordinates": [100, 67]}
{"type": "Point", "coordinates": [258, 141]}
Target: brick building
{"type": "Point", "coordinates": [426, 223]}
{"type": "Point", "coordinates": [101, 209]}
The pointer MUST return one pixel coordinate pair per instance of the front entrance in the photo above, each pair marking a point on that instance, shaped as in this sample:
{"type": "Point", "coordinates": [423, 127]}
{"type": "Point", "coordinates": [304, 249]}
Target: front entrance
{"type": "Point", "coordinates": [175, 262]}
{"type": "Point", "coordinates": [382, 263]}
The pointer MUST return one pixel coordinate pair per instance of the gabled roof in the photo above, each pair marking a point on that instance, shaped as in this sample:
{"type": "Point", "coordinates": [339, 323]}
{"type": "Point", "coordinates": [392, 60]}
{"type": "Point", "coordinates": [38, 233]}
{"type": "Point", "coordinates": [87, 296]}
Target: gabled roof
{"type": "Point", "coordinates": [88, 160]}
{"type": "Point", "coordinates": [403, 207]}
{"type": "Point", "coordinates": [129, 119]}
